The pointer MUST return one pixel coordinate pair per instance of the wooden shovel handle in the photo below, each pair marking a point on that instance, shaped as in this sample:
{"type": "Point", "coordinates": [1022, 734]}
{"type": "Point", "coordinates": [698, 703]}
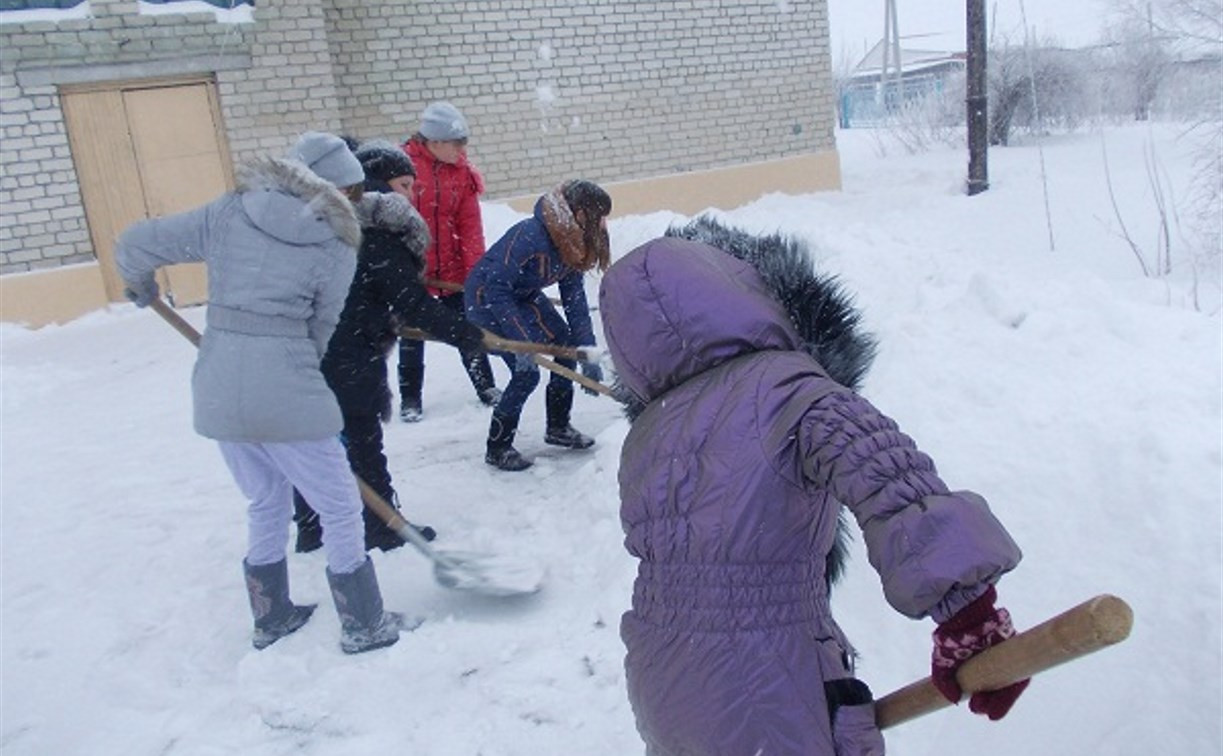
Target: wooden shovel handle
{"type": "Point", "coordinates": [168, 314]}
{"type": "Point", "coordinates": [443, 285]}
{"type": "Point", "coordinates": [573, 375]}
{"type": "Point", "coordinates": [1088, 627]}
{"type": "Point", "coordinates": [494, 343]}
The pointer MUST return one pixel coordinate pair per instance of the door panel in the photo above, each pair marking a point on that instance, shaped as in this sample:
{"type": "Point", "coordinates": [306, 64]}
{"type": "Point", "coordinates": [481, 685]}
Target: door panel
{"type": "Point", "coordinates": [144, 150]}
{"type": "Point", "coordinates": [178, 148]}
{"type": "Point", "coordinates": [106, 172]}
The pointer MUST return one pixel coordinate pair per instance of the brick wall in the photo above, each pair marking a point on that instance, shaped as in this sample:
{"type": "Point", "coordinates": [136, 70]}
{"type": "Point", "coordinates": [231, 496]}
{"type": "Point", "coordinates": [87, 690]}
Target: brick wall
{"type": "Point", "coordinates": [611, 91]}
{"type": "Point", "coordinates": [274, 80]}
{"type": "Point", "coordinates": [552, 88]}
{"type": "Point", "coordinates": [289, 87]}
{"type": "Point", "coordinates": [42, 221]}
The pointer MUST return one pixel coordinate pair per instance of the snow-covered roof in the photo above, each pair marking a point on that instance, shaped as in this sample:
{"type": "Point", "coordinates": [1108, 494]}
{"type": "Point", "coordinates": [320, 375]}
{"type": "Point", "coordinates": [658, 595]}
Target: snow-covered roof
{"type": "Point", "coordinates": [912, 58]}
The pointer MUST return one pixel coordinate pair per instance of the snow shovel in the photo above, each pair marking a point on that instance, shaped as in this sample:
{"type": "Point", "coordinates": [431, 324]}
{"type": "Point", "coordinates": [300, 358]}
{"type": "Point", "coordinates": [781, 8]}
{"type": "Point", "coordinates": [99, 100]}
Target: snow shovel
{"type": "Point", "coordinates": [1088, 627]}
{"type": "Point", "coordinates": [484, 574]}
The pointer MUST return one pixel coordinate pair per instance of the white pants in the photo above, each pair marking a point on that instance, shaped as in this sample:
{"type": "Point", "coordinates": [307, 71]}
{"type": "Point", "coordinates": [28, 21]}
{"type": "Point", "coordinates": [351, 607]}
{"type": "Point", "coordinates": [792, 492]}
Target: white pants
{"type": "Point", "coordinates": [268, 473]}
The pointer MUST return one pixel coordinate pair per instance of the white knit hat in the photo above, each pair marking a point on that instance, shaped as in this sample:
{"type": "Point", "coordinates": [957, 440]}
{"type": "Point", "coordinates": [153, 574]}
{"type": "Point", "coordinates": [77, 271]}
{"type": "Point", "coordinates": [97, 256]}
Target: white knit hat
{"type": "Point", "coordinates": [329, 158]}
{"type": "Point", "coordinates": [442, 122]}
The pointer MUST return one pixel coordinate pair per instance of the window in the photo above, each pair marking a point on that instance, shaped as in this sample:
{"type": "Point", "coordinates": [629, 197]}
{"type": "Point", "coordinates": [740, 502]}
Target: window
{"type": "Point", "coordinates": [223, 4]}
{"type": "Point", "coordinates": [25, 11]}
{"type": "Point", "coordinates": [226, 11]}
{"type": "Point", "coordinates": [20, 5]}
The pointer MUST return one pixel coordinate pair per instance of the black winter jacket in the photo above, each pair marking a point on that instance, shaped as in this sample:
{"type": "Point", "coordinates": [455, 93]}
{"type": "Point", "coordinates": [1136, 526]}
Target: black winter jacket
{"type": "Point", "coordinates": [386, 295]}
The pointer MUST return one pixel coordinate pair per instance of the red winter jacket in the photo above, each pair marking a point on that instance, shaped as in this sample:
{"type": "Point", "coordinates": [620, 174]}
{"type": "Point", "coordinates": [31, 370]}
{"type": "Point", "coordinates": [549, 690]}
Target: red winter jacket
{"type": "Point", "coordinates": [447, 197]}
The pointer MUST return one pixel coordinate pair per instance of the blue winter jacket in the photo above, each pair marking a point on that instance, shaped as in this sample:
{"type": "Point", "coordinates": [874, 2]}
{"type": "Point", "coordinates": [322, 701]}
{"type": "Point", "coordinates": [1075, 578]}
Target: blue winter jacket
{"type": "Point", "coordinates": [504, 292]}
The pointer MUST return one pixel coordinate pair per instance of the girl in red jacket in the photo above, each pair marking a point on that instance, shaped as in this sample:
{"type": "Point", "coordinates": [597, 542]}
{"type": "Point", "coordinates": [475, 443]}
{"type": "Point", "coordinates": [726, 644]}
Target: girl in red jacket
{"type": "Point", "coordinates": [446, 194]}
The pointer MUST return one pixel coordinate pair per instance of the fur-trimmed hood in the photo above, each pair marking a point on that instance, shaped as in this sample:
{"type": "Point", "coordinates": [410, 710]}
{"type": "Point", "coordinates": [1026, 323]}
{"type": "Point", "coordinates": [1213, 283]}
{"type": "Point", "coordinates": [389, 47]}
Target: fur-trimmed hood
{"type": "Point", "coordinates": [284, 199]}
{"type": "Point", "coordinates": [392, 212]}
{"type": "Point", "coordinates": [671, 310]}
{"type": "Point", "coordinates": [821, 311]}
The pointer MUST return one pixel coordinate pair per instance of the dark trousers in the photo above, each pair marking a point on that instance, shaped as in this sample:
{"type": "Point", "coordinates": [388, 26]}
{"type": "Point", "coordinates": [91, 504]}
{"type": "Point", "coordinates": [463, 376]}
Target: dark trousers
{"type": "Point", "coordinates": [412, 360]}
{"type": "Point", "coordinates": [558, 396]}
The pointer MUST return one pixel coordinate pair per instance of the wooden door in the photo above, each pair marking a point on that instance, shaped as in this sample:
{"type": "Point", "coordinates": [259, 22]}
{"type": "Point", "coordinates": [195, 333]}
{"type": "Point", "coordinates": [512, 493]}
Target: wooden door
{"type": "Point", "coordinates": [145, 150]}
{"type": "Point", "coordinates": [106, 172]}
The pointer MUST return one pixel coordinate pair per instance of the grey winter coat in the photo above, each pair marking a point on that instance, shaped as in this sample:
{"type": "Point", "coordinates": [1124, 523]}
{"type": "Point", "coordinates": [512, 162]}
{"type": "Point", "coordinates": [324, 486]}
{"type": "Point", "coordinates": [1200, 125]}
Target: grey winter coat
{"type": "Point", "coordinates": [280, 251]}
{"type": "Point", "coordinates": [732, 478]}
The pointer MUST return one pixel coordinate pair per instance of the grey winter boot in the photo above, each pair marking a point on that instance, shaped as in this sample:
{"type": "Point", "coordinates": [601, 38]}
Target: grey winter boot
{"type": "Point", "coordinates": [364, 625]}
{"type": "Point", "coordinates": [276, 616]}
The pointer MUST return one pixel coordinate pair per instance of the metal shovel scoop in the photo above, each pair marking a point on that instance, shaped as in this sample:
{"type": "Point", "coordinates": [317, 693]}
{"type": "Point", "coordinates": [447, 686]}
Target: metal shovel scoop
{"type": "Point", "coordinates": [486, 574]}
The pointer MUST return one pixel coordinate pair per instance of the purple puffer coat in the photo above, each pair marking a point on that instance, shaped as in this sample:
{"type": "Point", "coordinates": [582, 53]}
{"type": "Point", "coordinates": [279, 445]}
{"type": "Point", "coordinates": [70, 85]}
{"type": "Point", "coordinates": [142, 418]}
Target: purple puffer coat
{"type": "Point", "coordinates": [731, 481]}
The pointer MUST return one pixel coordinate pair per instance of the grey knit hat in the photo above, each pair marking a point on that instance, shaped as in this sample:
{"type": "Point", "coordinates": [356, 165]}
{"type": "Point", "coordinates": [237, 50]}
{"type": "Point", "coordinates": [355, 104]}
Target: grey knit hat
{"type": "Point", "coordinates": [329, 158]}
{"type": "Point", "coordinates": [442, 122]}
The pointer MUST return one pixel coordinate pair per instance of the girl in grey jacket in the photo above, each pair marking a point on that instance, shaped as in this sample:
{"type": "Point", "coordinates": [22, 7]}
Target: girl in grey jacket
{"type": "Point", "coordinates": [280, 252]}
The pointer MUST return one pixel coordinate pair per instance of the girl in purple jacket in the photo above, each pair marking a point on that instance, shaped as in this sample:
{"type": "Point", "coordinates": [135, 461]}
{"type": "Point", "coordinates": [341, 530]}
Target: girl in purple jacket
{"type": "Point", "coordinates": [747, 444]}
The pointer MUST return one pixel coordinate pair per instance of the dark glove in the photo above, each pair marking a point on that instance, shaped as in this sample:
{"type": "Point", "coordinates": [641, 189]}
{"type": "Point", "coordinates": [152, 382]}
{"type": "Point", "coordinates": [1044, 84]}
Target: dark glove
{"type": "Point", "coordinates": [142, 293]}
{"type": "Point", "coordinates": [973, 629]}
{"type": "Point", "coordinates": [595, 373]}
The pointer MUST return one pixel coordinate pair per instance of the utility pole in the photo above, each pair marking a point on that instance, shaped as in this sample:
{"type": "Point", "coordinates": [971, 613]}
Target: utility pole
{"type": "Point", "coordinates": [978, 101]}
{"type": "Point", "coordinates": [889, 78]}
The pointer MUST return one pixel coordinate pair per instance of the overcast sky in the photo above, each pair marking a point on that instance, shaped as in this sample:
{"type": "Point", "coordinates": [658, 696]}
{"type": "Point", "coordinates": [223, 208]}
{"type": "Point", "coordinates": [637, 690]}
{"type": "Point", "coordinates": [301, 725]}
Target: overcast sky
{"type": "Point", "coordinates": [856, 25]}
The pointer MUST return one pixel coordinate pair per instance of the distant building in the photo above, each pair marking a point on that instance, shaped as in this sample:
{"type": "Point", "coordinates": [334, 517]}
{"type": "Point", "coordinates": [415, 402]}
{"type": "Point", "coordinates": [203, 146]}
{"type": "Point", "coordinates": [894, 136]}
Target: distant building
{"type": "Point", "coordinates": [871, 96]}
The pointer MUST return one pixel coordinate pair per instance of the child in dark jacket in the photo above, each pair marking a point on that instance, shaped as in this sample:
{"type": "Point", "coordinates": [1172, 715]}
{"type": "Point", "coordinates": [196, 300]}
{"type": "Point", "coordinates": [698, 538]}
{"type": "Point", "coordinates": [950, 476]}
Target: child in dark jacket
{"type": "Point", "coordinates": [747, 444]}
{"type": "Point", "coordinates": [565, 237]}
{"type": "Point", "coordinates": [386, 295]}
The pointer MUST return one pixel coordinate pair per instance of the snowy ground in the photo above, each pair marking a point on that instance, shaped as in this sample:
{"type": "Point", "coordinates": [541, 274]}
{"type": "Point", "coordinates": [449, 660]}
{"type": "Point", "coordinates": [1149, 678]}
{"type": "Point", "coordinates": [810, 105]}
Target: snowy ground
{"type": "Point", "coordinates": [1083, 400]}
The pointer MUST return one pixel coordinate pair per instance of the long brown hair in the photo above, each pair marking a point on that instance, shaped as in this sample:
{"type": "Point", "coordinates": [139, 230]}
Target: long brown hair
{"type": "Point", "coordinates": [590, 205]}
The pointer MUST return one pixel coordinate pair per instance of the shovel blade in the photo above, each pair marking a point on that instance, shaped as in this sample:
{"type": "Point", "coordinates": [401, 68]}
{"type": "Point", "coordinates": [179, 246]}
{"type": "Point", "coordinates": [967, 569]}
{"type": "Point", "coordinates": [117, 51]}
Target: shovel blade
{"type": "Point", "coordinates": [487, 574]}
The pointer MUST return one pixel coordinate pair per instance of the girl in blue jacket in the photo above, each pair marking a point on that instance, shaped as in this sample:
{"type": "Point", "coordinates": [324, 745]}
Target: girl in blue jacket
{"type": "Point", "coordinates": [565, 237]}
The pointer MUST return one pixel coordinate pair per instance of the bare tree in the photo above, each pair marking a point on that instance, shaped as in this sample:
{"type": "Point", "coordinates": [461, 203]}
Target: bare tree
{"type": "Point", "coordinates": [1189, 35]}
{"type": "Point", "coordinates": [1034, 88]}
{"type": "Point", "coordinates": [1139, 55]}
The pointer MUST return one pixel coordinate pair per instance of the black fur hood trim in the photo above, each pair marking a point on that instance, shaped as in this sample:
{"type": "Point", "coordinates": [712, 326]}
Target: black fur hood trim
{"type": "Point", "coordinates": [821, 310]}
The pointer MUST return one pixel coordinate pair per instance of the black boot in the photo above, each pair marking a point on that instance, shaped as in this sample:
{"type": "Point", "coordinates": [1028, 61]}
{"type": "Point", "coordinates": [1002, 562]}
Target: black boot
{"type": "Point", "coordinates": [568, 437]}
{"type": "Point", "coordinates": [558, 399]}
{"type": "Point", "coordinates": [267, 586]}
{"type": "Point", "coordinates": [411, 380]}
{"type": "Point", "coordinates": [363, 623]}
{"type": "Point", "coordinates": [411, 410]}
{"type": "Point", "coordinates": [501, 452]}
{"type": "Point", "coordinates": [309, 528]}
